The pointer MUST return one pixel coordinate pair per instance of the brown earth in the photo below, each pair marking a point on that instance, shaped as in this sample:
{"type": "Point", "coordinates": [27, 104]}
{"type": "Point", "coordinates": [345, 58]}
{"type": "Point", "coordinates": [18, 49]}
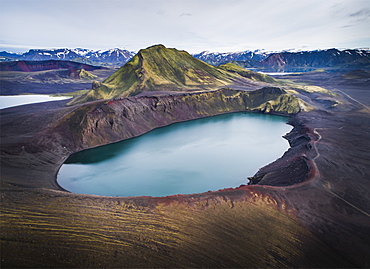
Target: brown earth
{"type": "Point", "coordinates": [310, 208]}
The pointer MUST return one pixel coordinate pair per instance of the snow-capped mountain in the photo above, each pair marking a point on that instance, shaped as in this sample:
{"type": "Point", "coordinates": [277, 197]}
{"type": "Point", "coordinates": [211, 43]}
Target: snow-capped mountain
{"type": "Point", "coordinates": [330, 58]}
{"type": "Point", "coordinates": [259, 59]}
{"type": "Point", "coordinates": [112, 56]}
{"type": "Point", "coordinates": [292, 59]}
{"type": "Point", "coordinates": [54, 54]}
{"type": "Point", "coordinates": [216, 58]}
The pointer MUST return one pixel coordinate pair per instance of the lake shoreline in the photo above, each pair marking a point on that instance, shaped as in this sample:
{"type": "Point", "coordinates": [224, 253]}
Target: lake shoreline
{"type": "Point", "coordinates": [36, 144]}
{"type": "Point", "coordinates": [180, 158]}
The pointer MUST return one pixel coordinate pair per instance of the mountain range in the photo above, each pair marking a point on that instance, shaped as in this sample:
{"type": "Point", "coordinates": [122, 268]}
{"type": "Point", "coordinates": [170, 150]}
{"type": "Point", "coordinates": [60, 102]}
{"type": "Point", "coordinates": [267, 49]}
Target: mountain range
{"type": "Point", "coordinates": [329, 59]}
{"type": "Point", "coordinates": [217, 58]}
{"type": "Point", "coordinates": [100, 57]}
{"type": "Point", "coordinates": [258, 59]}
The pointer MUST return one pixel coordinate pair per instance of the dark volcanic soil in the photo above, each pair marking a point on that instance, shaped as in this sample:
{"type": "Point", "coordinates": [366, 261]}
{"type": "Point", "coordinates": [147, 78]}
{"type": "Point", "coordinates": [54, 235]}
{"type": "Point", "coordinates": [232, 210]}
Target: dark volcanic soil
{"type": "Point", "coordinates": [310, 208]}
{"type": "Point", "coordinates": [47, 82]}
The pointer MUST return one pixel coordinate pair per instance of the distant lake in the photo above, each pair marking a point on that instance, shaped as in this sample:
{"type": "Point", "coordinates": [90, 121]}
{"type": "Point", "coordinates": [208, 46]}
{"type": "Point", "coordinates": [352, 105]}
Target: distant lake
{"type": "Point", "coordinates": [279, 73]}
{"type": "Point", "coordinates": [189, 157]}
{"type": "Point", "coordinates": [17, 100]}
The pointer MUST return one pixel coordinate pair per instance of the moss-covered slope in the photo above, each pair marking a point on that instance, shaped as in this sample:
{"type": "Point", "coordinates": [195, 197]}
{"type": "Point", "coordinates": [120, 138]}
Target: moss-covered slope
{"type": "Point", "coordinates": [83, 74]}
{"type": "Point", "coordinates": [247, 73]}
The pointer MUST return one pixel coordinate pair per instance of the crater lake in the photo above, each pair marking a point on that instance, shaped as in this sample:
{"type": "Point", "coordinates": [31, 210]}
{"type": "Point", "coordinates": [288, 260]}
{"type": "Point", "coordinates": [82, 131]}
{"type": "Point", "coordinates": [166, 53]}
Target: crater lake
{"type": "Point", "coordinates": [196, 156]}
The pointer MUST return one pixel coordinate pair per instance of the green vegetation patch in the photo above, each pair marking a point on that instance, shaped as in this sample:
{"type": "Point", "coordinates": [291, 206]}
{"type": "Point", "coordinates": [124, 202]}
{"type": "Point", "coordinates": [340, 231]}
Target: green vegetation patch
{"type": "Point", "coordinates": [313, 89]}
{"type": "Point", "coordinates": [295, 87]}
{"type": "Point", "coordinates": [83, 74]}
{"type": "Point", "coordinates": [247, 73]}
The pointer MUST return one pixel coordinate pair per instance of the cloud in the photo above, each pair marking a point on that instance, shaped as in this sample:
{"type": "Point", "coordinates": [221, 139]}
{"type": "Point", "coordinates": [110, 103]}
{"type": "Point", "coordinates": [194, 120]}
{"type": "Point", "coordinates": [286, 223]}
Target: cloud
{"type": "Point", "coordinates": [204, 25]}
{"type": "Point", "coordinates": [361, 13]}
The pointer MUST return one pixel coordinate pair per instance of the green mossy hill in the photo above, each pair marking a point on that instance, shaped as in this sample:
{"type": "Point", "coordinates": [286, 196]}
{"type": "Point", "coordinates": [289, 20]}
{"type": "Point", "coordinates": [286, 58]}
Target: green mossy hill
{"type": "Point", "coordinates": [158, 68]}
{"type": "Point", "coordinates": [247, 73]}
{"type": "Point", "coordinates": [83, 74]}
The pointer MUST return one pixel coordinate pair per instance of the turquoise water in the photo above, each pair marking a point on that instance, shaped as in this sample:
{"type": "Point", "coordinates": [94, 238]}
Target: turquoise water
{"type": "Point", "coordinates": [189, 157]}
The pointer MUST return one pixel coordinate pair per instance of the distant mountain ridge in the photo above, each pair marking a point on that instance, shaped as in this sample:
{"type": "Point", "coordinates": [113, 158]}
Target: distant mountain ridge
{"type": "Point", "coordinates": [258, 59]}
{"type": "Point", "coordinates": [291, 60]}
{"type": "Point", "coordinates": [100, 57]}
{"type": "Point", "coordinates": [331, 58]}
{"type": "Point", "coordinates": [217, 58]}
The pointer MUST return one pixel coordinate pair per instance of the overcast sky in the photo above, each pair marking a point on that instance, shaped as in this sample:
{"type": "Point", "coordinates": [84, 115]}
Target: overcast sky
{"type": "Point", "coordinates": [192, 25]}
